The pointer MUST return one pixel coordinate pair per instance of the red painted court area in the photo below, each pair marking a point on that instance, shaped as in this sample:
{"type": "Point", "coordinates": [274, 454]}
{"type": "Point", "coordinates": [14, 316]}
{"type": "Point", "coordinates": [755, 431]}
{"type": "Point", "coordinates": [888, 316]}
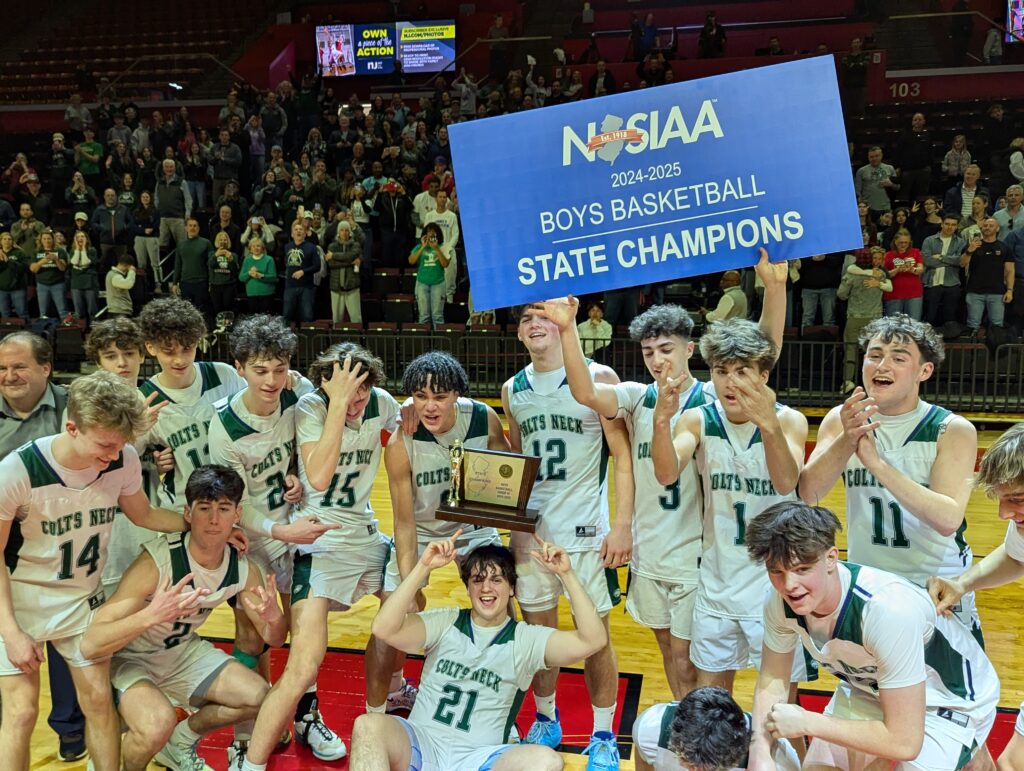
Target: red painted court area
{"type": "Point", "coordinates": [342, 699]}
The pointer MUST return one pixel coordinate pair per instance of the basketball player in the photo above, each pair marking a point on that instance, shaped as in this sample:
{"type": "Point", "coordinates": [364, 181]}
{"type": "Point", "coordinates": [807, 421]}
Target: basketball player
{"type": "Point", "coordinates": [116, 345]}
{"type": "Point", "coordinates": [338, 432]}
{"type": "Point", "coordinates": [907, 465]}
{"type": "Point", "coordinates": [705, 731]}
{"type": "Point", "coordinates": [172, 329]}
{"type": "Point", "coordinates": [571, 495]}
{"type": "Point", "coordinates": [419, 475]}
{"type": "Point", "coordinates": [749, 451]}
{"type": "Point", "coordinates": [253, 433]}
{"type": "Point", "coordinates": [150, 627]}
{"type": "Point", "coordinates": [917, 690]}
{"type": "Point", "coordinates": [1001, 475]}
{"type": "Point", "coordinates": [479, 662]}
{"type": "Point", "coordinates": [666, 524]}
{"type": "Point", "coordinates": [58, 498]}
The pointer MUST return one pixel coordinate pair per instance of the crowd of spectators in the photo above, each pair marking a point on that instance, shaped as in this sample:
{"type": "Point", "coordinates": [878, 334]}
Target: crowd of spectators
{"type": "Point", "coordinates": [296, 196]}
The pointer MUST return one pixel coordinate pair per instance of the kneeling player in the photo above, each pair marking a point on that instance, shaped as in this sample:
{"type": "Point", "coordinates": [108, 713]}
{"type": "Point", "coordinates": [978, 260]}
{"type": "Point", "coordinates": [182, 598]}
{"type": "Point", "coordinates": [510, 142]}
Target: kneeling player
{"type": "Point", "coordinates": [479, 661]}
{"type": "Point", "coordinates": [917, 688]}
{"type": "Point", "coordinates": [705, 731]}
{"type": "Point", "coordinates": [151, 621]}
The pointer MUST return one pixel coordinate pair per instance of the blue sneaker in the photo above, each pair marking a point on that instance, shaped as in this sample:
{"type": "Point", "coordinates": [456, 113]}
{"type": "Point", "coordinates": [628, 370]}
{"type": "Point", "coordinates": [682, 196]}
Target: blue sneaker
{"type": "Point", "coordinates": [545, 731]}
{"type": "Point", "coordinates": [602, 752]}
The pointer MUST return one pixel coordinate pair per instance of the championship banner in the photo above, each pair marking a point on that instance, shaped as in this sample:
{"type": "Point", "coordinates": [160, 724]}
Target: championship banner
{"type": "Point", "coordinates": [655, 184]}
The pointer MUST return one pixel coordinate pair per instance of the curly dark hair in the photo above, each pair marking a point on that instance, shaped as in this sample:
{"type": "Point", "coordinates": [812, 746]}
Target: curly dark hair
{"type": "Point", "coordinates": [442, 370]}
{"type": "Point", "coordinates": [172, 320]}
{"type": "Point", "coordinates": [709, 730]}
{"type": "Point", "coordinates": [261, 338]}
{"type": "Point", "coordinates": [661, 320]}
{"type": "Point", "coordinates": [436, 229]}
{"type": "Point", "coordinates": [122, 332]}
{"type": "Point", "coordinates": [490, 555]}
{"type": "Point", "coordinates": [322, 369]}
{"type": "Point", "coordinates": [901, 328]}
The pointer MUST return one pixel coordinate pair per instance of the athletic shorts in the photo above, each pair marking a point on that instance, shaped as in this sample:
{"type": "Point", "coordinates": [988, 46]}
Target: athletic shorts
{"type": "Point", "coordinates": [70, 649]}
{"type": "Point", "coordinates": [1018, 727]}
{"type": "Point", "coordinates": [343, 577]}
{"type": "Point", "coordinates": [724, 644]}
{"type": "Point", "coordinates": [467, 543]}
{"type": "Point", "coordinates": [431, 752]}
{"type": "Point", "coordinates": [943, 749]}
{"type": "Point", "coordinates": [658, 604]}
{"type": "Point", "coordinates": [282, 568]}
{"type": "Point", "coordinates": [183, 673]}
{"type": "Point", "coordinates": [966, 612]}
{"type": "Point", "coordinates": [538, 589]}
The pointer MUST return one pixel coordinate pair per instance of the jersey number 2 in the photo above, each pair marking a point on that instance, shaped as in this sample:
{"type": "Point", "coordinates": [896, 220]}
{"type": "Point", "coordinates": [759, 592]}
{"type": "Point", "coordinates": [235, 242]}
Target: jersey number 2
{"type": "Point", "coordinates": [446, 706]}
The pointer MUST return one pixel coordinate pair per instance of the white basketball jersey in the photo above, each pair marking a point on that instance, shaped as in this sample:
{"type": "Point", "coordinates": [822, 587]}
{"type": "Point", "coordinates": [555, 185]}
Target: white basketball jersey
{"type": "Point", "coordinates": [958, 676]}
{"type": "Point", "coordinates": [261, 450]}
{"type": "Point", "coordinates": [170, 553]}
{"type": "Point", "coordinates": [346, 501]}
{"type": "Point", "coordinates": [666, 518]}
{"type": "Point", "coordinates": [184, 423]}
{"type": "Point", "coordinates": [470, 694]}
{"type": "Point", "coordinates": [57, 545]}
{"type": "Point", "coordinates": [571, 492]}
{"type": "Point", "coordinates": [653, 729]}
{"type": "Point", "coordinates": [432, 469]}
{"type": "Point", "coordinates": [880, 532]}
{"type": "Point", "coordinates": [737, 487]}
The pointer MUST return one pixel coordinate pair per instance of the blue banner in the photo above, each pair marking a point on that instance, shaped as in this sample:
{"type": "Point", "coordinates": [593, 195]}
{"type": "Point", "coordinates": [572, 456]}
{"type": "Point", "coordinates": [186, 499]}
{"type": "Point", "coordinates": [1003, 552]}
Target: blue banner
{"type": "Point", "coordinates": [655, 184]}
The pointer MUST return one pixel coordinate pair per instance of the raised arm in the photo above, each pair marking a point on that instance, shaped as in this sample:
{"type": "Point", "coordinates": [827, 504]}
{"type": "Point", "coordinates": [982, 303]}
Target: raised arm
{"type": "Point", "coordinates": [997, 569]}
{"type": "Point", "coordinates": [259, 603]}
{"type": "Point", "coordinates": [600, 397]}
{"type": "Point", "coordinates": [138, 509]}
{"type": "Point", "coordinates": [838, 435]}
{"type": "Point", "coordinates": [396, 461]}
{"type": "Point", "coordinates": [773, 310]}
{"type": "Point", "coordinates": [320, 459]}
{"type": "Point", "coordinates": [672, 449]}
{"type": "Point", "coordinates": [515, 436]}
{"type": "Point", "coordinates": [943, 502]}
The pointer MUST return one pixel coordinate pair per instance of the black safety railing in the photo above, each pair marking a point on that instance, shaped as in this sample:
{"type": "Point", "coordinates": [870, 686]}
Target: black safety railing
{"type": "Point", "coordinates": [808, 373]}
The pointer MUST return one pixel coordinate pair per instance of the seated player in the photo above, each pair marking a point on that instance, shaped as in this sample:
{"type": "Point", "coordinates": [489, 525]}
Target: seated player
{"type": "Point", "coordinates": [338, 432]}
{"type": "Point", "coordinates": [749, 450]}
{"type": "Point", "coordinates": [705, 731]}
{"type": "Point", "coordinates": [1001, 475]}
{"type": "Point", "coordinates": [479, 661]}
{"type": "Point", "coordinates": [150, 626]}
{"type": "Point", "coordinates": [116, 345]}
{"type": "Point", "coordinates": [58, 499]}
{"type": "Point", "coordinates": [419, 473]}
{"type": "Point", "coordinates": [917, 690]}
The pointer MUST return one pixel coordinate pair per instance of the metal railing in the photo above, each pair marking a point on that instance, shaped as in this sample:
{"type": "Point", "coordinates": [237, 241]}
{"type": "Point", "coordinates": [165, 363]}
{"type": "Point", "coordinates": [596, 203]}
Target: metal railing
{"type": "Point", "coordinates": [808, 374]}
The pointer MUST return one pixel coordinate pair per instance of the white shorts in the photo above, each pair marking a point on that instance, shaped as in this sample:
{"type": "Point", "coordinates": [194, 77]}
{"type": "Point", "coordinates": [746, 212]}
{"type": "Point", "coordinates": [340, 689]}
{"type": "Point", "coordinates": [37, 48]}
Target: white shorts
{"type": "Point", "coordinates": [463, 546]}
{"type": "Point", "coordinates": [183, 673]}
{"type": "Point", "coordinates": [70, 649]}
{"type": "Point", "coordinates": [943, 749]}
{"type": "Point", "coordinates": [660, 604]}
{"type": "Point", "coordinates": [432, 753]}
{"type": "Point", "coordinates": [343, 577]}
{"type": "Point", "coordinates": [1018, 726]}
{"type": "Point", "coordinates": [726, 644]}
{"type": "Point", "coordinates": [282, 567]}
{"type": "Point", "coordinates": [538, 589]}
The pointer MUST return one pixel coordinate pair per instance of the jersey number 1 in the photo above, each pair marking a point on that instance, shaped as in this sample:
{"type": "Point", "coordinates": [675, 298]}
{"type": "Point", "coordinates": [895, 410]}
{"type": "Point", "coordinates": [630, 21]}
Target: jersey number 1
{"type": "Point", "coordinates": [445, 712]}
{"type": "Point", "coordinates": [899, 540]}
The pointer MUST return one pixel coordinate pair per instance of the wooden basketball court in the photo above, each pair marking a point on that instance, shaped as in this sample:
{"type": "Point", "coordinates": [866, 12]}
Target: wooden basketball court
{"type": "Point", "coordinates": [1000, 610]}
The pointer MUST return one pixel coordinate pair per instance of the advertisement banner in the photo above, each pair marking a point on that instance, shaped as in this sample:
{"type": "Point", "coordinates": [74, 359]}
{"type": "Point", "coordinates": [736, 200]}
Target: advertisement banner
{"type": "Point", "coordinates": [655, 184]}
{"type": "Point", "coordinates": [375, 49]}
{"type": "Point", "coordinates": [426, 46]}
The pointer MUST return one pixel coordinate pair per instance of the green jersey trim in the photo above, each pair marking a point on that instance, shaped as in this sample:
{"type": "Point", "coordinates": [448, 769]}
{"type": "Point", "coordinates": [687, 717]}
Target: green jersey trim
{"type": "Point", "coordinates": [148, 387]}
{"type": "Point", "coordinates": [478, 421]}
{"type": "Point", "coordinates": [208, 372]}
{"type": "Point", "coordinates": [930, 427]}
{"type": "Point", "coordinates": [233, 424]}
{"type": "Point", "coordinates": [650, 396]}
{"type": "Point", "coordinates": [713, 425]}
{"type": "Point", "coordinates": [181, 567]}
{"type": "Point", "coordinates": [372, 409]}
{"type": "Point", "coordinates": [513, 711]}
{"type": "Point", "coordinates": [464, 623]}
{"type": "Point", "coordinates": [947, 661]}
{"type": "Point", "coordinates": [667, 718]}
{"type": "Point", "coordinates": [521, 382]}
{"type": "Point", "coordinates": [40, 473]}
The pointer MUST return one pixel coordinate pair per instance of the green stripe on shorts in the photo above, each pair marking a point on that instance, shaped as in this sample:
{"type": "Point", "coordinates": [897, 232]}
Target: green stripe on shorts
{"type": "Point", "coordinates": [303, 566]}
{"type": "Point", "coordinates": [611, 576]}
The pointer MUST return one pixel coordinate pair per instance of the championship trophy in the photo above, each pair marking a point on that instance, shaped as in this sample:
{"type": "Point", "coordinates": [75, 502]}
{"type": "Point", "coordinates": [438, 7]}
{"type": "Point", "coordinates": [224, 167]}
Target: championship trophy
{"type": "Point", "coordinates": [489, 488]}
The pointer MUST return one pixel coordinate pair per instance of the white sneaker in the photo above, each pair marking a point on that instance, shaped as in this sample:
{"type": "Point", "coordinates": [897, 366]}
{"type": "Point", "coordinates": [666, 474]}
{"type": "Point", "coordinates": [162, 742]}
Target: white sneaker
{"type": "Point", "coordinates": [324, 743]}
{"type": "Point", "coordinates": [180, 758]}
{"type": "Point", "coordinates": [236, 754]}
{"type": "Point", "coordinates": [402, 699]}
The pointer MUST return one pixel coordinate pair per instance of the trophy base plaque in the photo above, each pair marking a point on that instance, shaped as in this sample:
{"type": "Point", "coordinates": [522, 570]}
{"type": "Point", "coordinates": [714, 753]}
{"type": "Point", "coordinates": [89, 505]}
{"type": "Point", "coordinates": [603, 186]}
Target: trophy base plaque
{"type": "Point", "coordinates": [483, 515]}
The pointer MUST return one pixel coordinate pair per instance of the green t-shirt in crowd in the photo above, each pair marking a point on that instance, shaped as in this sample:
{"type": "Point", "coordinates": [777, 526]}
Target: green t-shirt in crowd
{"type": "Point", "coordinates": [429, 270]}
